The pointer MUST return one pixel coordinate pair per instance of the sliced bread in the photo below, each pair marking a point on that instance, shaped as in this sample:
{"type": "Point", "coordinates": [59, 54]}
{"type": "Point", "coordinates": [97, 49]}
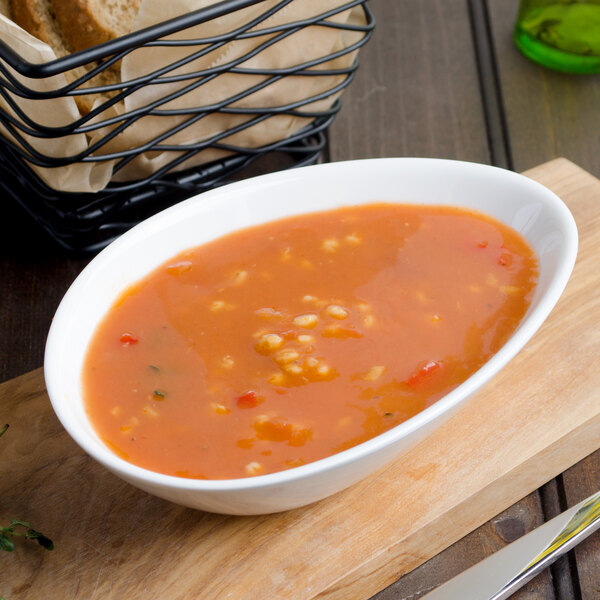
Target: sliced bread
{"type": "Point", "coordinates": [38, 18]}
{"type": "Point", "coordinates": [87, 23]}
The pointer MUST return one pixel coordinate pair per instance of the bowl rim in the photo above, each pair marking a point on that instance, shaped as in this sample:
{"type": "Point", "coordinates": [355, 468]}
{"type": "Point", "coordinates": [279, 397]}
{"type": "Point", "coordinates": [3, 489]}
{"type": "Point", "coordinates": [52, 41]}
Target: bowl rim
{"type": "Point", "coordinates": [511, 347]}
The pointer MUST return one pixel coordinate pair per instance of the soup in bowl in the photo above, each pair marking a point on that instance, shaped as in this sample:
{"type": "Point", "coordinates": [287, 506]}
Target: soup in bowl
{"type": "Point", "coordinates": [266, 344]}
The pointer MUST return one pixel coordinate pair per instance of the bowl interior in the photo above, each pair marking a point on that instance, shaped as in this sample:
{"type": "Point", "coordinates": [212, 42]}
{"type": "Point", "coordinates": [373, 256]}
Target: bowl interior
{"type": "Point", "coordinates": [526, 206]}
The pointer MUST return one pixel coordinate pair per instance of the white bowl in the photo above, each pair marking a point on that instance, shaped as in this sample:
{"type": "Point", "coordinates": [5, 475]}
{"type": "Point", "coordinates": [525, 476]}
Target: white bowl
{"type": "Point", "coordinates": [534, 211]}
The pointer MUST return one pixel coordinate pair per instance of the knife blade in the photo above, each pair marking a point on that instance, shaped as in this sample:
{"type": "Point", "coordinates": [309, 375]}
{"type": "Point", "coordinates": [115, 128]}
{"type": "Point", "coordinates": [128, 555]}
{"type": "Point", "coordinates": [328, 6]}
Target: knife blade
{"type": "Point", "coordinates": [500, 575]}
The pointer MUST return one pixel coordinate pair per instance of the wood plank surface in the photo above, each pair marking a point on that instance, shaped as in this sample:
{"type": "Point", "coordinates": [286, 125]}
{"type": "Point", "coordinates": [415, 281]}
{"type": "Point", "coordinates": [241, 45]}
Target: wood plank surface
{"type": "Point", "coordinates": [549, 114]}
{"type": "Point", "coordinates": [416, 92]}
{"type": "Point", "coordinates": [423, 89]}
{"type": "Point", "coordinates": [419, 91]}
{"type": "Point", "coordinates": [113, 541]}
{"type": "Point", "coordinates": [34, 276]}
{"type": "Point", "coordinates": [455, 111]}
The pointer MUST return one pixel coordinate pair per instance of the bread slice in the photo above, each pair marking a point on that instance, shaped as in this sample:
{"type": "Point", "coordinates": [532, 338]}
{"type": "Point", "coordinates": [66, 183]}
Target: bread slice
{"type": "Point", "coordinates": [38, 18]}
{"type": "Point", "coordinates": [87, 23]}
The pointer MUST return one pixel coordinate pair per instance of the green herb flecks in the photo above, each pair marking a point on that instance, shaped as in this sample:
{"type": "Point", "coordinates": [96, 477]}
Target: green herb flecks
{"type": "Point", "coordinates": [18, 528]}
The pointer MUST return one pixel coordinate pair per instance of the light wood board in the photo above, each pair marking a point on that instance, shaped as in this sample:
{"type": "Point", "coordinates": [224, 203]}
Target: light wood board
{"type": "Point", "coordinates": [538, 417]}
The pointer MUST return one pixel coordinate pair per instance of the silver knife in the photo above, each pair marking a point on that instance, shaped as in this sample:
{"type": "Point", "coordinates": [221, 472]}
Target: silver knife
{"type": "Point", "coordinates": [503, 573]}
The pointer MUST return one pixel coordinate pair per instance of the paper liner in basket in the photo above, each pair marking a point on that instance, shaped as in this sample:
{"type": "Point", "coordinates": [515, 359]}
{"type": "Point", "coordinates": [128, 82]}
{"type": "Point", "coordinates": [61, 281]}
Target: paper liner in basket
{"type": "Point", "coordinates": [53, 112]}
{"type": "Point", "coordinates": [216, 92]}
{"type": "Point", "coordinates": [307, 44]}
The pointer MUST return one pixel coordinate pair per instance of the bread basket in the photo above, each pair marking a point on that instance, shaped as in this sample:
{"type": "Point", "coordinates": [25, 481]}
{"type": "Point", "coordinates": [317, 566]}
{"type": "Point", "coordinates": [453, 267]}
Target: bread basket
{"type": "Point", "coordinates": [87, 221]}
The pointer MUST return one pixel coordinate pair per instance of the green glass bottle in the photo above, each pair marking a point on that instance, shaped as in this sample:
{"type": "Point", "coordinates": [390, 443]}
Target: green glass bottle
{"type": "Point", "coordinates": [562, 35]}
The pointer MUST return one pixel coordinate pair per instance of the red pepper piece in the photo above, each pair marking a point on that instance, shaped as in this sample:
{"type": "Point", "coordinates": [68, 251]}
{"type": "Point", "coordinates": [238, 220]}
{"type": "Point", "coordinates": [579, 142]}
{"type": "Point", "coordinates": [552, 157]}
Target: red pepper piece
{"type": "Point", "coordinates": [128, 339]}
{"type": "Point", "coordinates": [248, 400]}
{"type": "Point", "coordinates": [424, 373]}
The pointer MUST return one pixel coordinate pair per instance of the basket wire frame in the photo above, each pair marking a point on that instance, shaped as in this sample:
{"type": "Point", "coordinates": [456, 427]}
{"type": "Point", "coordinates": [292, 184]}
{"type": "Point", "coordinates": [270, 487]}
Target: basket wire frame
{"type": "Point", "coordinates": [86, 222]}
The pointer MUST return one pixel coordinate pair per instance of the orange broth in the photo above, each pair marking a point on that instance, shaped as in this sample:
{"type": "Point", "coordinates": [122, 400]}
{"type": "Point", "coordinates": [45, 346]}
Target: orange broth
{"type": "Point", "coordinates": [287, 342]}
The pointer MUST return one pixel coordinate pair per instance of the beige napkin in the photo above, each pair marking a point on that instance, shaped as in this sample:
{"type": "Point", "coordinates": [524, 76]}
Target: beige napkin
{"type": "Point", "coordinates": [53, 112]}
{"type": "Point", "coordinates": [308, 43]}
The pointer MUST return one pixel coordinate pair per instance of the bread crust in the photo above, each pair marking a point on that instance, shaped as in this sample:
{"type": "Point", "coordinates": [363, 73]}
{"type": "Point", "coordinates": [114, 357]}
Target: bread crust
{"type": "Point", "coordinates": [27, 14]}
{"type": "Point", "coordinates": [79, 24]}
{"type": "Point", "coordinates": [87, 23]}
{"type": "Point", "coordinates": [37, 18]}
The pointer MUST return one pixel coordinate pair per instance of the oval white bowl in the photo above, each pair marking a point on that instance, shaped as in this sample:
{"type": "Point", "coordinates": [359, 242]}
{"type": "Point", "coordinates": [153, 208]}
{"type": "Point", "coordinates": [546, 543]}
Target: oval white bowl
{"type": "Point", "coordinates": [537, 213]}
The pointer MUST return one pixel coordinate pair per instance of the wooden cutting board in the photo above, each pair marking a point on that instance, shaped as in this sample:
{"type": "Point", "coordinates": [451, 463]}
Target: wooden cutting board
{"type": "Point", "coordinates": [538, 417]}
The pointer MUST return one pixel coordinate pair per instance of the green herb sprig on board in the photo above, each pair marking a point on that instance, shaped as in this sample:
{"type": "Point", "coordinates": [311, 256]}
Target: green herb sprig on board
{"type": "Point", "coordinates": [18, 528]}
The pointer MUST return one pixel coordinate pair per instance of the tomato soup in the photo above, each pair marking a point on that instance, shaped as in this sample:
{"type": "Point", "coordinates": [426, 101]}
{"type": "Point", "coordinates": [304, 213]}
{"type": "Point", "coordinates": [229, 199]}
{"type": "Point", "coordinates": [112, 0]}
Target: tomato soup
{"type": "Point", "coordinates": [291, 341]}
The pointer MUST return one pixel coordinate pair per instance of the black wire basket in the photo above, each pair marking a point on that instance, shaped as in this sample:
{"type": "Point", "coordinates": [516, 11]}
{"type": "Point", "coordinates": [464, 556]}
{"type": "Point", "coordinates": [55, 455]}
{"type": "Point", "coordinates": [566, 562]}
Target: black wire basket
{"type": "Point", "coordinates": [85, 222]}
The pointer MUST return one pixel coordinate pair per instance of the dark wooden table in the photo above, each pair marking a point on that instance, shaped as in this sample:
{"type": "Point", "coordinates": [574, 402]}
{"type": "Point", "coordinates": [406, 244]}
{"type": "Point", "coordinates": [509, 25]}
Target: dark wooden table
{"type": "Point", "coordinates": [439, 78]}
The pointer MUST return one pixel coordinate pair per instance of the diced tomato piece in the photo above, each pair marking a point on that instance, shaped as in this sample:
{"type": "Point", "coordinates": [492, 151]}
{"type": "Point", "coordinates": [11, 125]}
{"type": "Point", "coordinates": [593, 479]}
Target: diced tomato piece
{"type": "Point", "coordinates": [424, 373]}
{"type": "Point", "coordinates": [248, 400]}
{"type": "Point", "coordinates": [482, 244]}
{"type": "Point", "coordinates": [128, 339]}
